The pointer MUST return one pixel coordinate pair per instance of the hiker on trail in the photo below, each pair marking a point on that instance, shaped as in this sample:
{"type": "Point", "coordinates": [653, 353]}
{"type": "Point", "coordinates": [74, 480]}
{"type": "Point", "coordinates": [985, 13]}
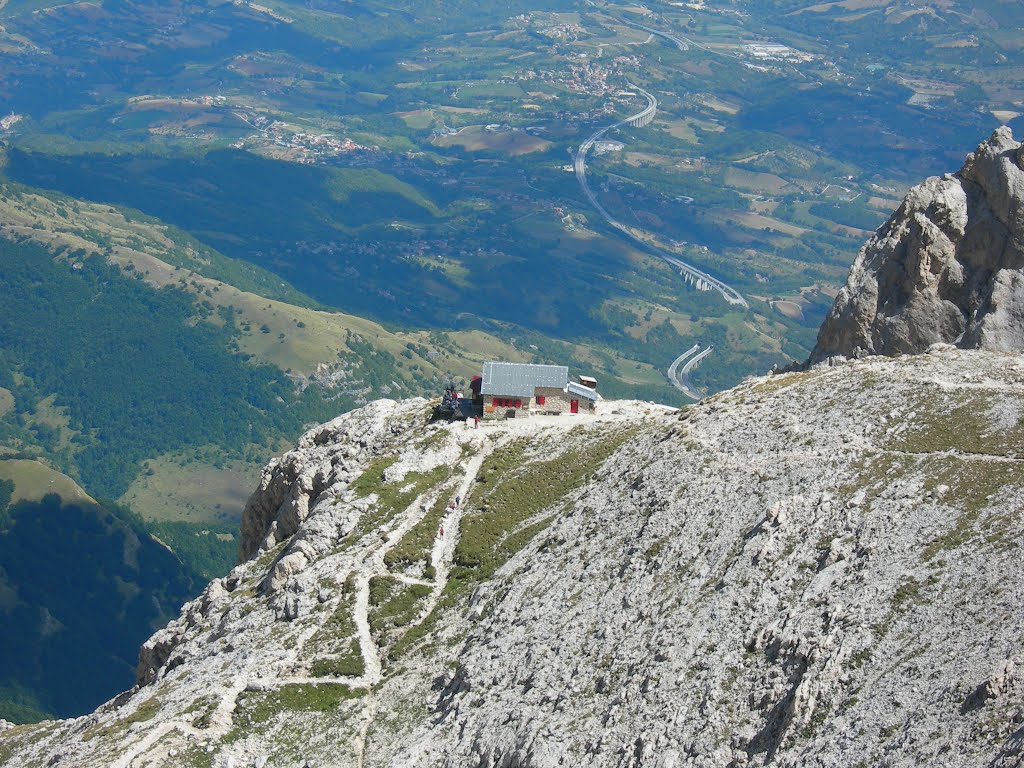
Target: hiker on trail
{"type": "Point", "coordinates": [476, 422]}
{"type": "Point", "coordinates": [458, 500]}
{"type": "Point", "coordinates": [440, 531]}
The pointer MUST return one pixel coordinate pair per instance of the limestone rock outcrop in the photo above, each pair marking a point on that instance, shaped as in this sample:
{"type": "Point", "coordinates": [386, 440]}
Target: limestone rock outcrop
{"type": "Point", "coordinates": [813, 569]}
{"type": "Point", "coordinates": [948, 266]}
{"type": "Point", "coordinates": [817, 568]}
{"type": "Point", "coordinates": [291, 485]}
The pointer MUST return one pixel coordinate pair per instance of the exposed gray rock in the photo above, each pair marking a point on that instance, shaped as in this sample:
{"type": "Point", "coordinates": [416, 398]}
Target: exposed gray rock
{"type": "Point", "coordinates": [813, 569]}
{"type": "Point", "coordinates": [291, 485]}
{"type": "Point", "coordinates": [946, 267]}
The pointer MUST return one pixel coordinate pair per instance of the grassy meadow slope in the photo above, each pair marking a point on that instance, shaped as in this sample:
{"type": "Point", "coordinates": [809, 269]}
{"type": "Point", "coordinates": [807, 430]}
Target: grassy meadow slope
{"type": "Point", "coordinates": [32, 480]}
{"type": "Point", "coordinates": [275, 323]}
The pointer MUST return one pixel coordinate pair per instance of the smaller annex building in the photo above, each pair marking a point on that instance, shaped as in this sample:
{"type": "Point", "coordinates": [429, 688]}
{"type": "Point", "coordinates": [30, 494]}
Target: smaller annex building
{"type": "Point", "coordinates": [509, 390]}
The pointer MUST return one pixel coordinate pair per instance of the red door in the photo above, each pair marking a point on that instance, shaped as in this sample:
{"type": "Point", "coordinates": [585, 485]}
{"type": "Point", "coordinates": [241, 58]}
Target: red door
{"type": "Point", "coordinates": [574, 406]}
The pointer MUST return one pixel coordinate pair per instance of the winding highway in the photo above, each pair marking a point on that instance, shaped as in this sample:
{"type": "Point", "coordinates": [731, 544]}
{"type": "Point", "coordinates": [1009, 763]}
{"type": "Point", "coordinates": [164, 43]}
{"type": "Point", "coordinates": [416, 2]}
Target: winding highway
{"type": "Point", "coordinates": [673, 372]}
{"type": "Point", "coordinates": [641, 118]}
{"type": "Point", "coordinates": [681, 42]}
{"type": "Point", "coordinates": [680, 376]}
{"type": "Point", "coordinates": [580, 161]}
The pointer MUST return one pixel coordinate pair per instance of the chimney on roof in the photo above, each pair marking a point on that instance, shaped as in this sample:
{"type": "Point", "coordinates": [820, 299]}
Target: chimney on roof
{"type": "Point", "coordinates": [589, 381]}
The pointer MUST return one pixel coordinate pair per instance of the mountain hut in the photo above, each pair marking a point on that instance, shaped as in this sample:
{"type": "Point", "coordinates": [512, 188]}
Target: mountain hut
{"type": "Point", "coordinates": [510, 390]}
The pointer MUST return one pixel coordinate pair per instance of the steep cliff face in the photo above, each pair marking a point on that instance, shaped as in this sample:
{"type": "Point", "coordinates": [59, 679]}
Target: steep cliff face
{"type": "Point", "coordinates": [819, 568]}
{"type": "Point", "coordinates": [948, 266]}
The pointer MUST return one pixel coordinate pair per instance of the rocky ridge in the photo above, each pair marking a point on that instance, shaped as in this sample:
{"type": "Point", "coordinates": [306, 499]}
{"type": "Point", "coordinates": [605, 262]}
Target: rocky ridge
{"type": "Point", "coordinates": [817, 568]}
{"type": "Point", "coordinates": [948, 266]}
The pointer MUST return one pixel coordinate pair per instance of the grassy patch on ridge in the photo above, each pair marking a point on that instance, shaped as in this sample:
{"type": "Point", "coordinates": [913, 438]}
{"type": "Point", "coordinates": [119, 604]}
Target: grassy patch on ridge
{"type": "Point", "coordinates": [512, 489]}
{"type": "Point", "coordinates": [392, 497]}
{"type": "Point", "coordinates": [966, 425]}
{"type": "Point", "coordinates": [504, 513]}
{"type": "Point", "coordinates": [393, 606]}
{"type": "Point", "coordinates": [255, 707]}
{"type": "Point", "coordinates": [335, 645]}
{"type": "Point", "coordinates": [416, 545]}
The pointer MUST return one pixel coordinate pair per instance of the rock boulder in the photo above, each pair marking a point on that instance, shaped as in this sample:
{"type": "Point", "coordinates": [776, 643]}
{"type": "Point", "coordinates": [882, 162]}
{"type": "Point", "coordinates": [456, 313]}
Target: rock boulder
{"type": "Point", "coordinates": [948, 266]}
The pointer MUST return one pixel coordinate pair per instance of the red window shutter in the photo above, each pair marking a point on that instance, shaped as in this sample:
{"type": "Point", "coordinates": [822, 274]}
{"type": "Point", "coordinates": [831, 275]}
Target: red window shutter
{"type": "Point", "coordinates": [540, 399]}
{"type": "Point", "coordinates": [519, 403]}
{"type": "Point", "coordinates": [495, 401]}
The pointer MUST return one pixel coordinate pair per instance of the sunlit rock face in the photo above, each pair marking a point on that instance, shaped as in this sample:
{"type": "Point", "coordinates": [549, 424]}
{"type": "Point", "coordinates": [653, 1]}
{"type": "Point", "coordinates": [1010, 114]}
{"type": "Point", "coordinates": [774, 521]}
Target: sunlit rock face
{"type": "Point", "coordinates": [948, 266]}
{"type": "Point", "coordinates": [813, 569]}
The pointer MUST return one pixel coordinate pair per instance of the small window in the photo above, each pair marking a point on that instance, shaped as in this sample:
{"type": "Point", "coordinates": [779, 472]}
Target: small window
{"type": "Point", "coordinates": [540, 399]}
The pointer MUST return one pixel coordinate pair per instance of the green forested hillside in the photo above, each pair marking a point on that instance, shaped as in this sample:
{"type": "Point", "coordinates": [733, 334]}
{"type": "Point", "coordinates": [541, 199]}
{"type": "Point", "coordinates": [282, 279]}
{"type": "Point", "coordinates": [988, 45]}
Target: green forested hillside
{"type": "Point", "coordinates": [81, 586]}
{"type": "Point", "coordinates": [104, 371]}
{"type": "Point", "coordinates": [134, 370]}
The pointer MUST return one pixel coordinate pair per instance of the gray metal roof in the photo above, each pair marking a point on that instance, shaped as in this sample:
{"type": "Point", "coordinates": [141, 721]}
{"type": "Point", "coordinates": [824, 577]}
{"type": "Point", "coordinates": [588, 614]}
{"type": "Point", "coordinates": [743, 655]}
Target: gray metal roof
{"type": "Point", "coordinates": [582, 391]}
{"type": "Point", "coordinates": [521, 379]}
